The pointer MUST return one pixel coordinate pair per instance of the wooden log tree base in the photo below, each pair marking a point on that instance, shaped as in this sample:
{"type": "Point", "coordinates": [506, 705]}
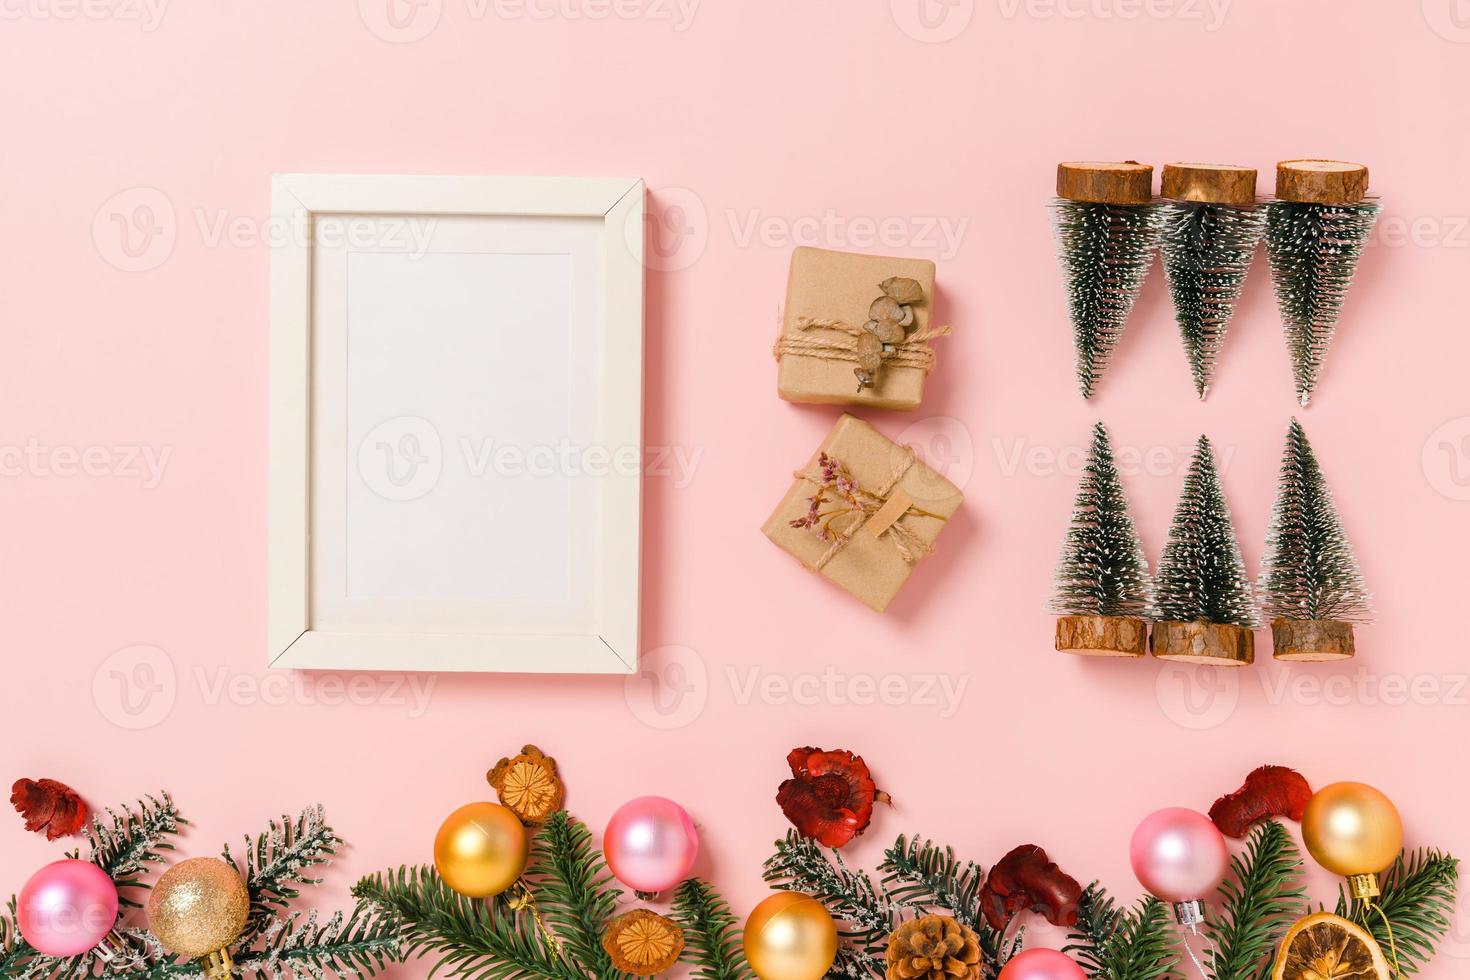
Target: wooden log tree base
{"type": "Point", "coordinates": [1321, 182]}
{"type": "Point", "coordinates": [1102, 636]}
{"type": "Point", "coordinates": [1312, 640]}
{"type": "Point", "coordinates": [1209, 183]}
{"type": "Point", "coordinates": [1201, 642]}
{"type": "Point", "coordinates": [1127, 182]}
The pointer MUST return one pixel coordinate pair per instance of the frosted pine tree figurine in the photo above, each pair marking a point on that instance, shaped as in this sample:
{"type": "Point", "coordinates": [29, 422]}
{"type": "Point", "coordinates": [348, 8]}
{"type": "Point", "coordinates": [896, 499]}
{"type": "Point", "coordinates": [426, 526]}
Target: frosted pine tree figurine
{"type": "Point", "coordinates": [1210, 229]}
{"type": "Point", "coordinates": [1202, 595]}
{"type": "Point", "coordinates": [1103, 589]}
{"type": "Point", "coordinates": [1316, 229]}
{"type": "Point", "coordinates": [1107, 229]}
{"type": "Point", "coordinates": [1311, 589]}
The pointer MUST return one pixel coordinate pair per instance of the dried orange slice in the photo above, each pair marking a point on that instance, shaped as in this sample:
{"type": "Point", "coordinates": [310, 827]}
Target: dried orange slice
{"type": "Point", "coordinates": [1328, 947]}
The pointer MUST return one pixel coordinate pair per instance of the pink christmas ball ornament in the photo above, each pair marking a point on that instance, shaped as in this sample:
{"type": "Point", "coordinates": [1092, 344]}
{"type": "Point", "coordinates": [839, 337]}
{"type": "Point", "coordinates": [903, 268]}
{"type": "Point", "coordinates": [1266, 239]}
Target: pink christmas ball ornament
{"type": "Point", "coordinates": [1041, 964]}
{"type": "Point", "coordinates": [1179, 855]}
{"type": "Point", "coordinates": [650, 844]}
{"type": "Point", "coordinates": [67, 908]}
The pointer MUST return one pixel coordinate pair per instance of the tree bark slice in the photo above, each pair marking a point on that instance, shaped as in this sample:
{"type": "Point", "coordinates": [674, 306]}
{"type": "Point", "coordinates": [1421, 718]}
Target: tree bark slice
{"type": "Point", "coordinates": [1209, 183]}
{"type": "Point", "coordinates": [1312, 640]}
{"type": "Point", "coordinates": [1321, 181]}
{"type": "Point", "coordinates": [1202, 642]}
{"type": "Point", "coordinates": [1102, 636]}
{"type": "Point", "coordinates": [1128, 182]}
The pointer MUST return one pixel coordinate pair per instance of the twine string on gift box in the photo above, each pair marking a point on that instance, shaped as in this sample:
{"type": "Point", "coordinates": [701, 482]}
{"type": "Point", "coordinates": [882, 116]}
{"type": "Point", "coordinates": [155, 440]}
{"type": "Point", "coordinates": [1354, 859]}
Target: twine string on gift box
{"type": "Point", "coordinates": [883, 506]}
{"type": "Point", "coordinates": [914, 351]}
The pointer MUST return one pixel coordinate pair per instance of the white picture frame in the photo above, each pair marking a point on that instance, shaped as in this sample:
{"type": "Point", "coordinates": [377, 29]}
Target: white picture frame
{"type": "Point", "coordinates": [349, 588]}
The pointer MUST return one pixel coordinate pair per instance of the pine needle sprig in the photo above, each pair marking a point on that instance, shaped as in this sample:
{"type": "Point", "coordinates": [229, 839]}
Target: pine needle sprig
{"type": "Point", "coordinates": [1314, 251]}
{"type": "Point", "coordinates": [574, 890]}
{"type": "Point", "coordinates": [1102, 570]}
{"type": "Point", "coordinates": [1259, 900]}
{"type": "Point", "coordinates": [1207, 250]}
{"type": "Point", "coordinates": [712, 934]}
{"type": "Point", "coordinates": [1418, 899]}
{"type": "Point", "coordinates": [1105, 251]}
{"type": "Point", "coordinates": [922, 876]}
{"type": "Point", "coordinates": [1112, 943]}
{"type": "Point", "coordinates": [282, 858]}
{"type": "Point", "coordinates": [123, 842]}
{"type": "Point", "coordinates": [866, 912]}
{"type": "Point", "coordinates": [472, 938]}
{"type": "Point", "coordinates": [297, 945]}
{"type": "Point", "coordinates": [1309, 571]}
{"type": "Point", "coordinates": [1202, 575]}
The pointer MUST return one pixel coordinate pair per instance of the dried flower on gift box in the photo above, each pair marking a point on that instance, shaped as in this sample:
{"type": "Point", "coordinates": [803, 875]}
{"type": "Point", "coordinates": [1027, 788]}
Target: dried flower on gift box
{"type": "Point", "coordinates": [829, 796]}
{"type": "Point", "coordinates": [852, 504]}
{"type": "Point", "coordinates": [528, 785]}
{"type": "Point", "coordinates": [49, 807]}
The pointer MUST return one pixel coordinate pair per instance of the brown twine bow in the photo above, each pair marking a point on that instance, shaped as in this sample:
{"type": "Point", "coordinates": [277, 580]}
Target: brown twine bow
{"type": "Point", "coordinates": [913, 352]}
{"type": "Point", "coordinates": [911, 547]}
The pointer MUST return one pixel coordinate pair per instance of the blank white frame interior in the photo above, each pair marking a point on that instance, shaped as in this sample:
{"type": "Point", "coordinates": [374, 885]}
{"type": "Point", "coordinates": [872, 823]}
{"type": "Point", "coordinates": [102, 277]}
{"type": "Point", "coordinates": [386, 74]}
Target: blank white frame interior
{"type": "Point", "coordinates": [456, 423]}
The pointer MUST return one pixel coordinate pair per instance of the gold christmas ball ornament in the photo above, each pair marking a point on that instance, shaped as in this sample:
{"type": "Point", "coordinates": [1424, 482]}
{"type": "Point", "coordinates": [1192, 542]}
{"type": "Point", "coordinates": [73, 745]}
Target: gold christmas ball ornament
{"type": "Point", "coordinates": [790, 936]}
{"type": "Point", "coordinates": [481, 850]}
{"type": "Point", "coordinates": [1353, 830]}
{"type": "Point", "coordinates": [198, 909]}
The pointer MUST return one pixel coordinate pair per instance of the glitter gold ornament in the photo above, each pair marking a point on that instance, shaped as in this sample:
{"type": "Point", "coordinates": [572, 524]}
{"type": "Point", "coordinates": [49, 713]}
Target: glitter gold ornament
{"type": "Point", "coordinates": [198, 909]}
{"type": "Point", "coordinates": [481, 850]}
{"type": "Point", "coordinates": [528, 784]}
{"type": "Point", "coordinates": [643, 943]}
{"type": "Point", "coordinates": [790, 936]}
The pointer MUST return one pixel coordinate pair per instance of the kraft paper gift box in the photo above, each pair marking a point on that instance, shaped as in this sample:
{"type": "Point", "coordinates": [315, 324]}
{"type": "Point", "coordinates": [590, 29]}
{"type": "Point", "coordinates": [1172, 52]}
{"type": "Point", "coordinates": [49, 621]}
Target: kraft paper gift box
{"type": "Point", "coordinates": [828, 299]}
{"type": "Point", "coordinates": [879, 506]}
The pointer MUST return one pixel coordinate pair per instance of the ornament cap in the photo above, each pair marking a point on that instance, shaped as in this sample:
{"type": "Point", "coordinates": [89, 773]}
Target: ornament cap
{"type": "Point", "coordinates": [1364, 887]}
{"type": "Point", "coordinates": [1209, 183]}
{"type": "Point", "coordinates": [218, 965]}
{"type": "Point", "coordinates": [1190, 914]}
{"type": "Point", "coordinates": [1092, 182]}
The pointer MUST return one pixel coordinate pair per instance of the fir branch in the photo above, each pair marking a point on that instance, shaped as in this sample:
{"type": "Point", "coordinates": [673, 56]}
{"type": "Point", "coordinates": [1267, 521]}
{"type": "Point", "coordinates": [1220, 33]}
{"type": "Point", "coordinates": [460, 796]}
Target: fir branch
{"type": "Point", "coordinates": [127, 840]}
{"type": "Point", "coordinates": [574, 891]}
{"type": "Point", "coordinates": [712, 934]}
{"type": "Point", "coordinates": [919, 874]}
{"type": "Point", "coordinates": [1260, 900]}
{"type": "Point", "coordinates": [1418, 899]}
{"type": "Point", "coordinates": [471, 938]}
{"type": "Point", "coordinates": [281, 858]}
{"type": "Point", "coordinates": [296, 945]}
{"type": "Point", "coordinates": [1122, 944]}
{"type": "Point", "coordinates": [866, 913]}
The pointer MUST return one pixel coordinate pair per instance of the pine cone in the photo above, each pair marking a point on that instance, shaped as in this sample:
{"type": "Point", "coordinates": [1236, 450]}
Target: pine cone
{"type": "Point", "coordinates": [935, 947]}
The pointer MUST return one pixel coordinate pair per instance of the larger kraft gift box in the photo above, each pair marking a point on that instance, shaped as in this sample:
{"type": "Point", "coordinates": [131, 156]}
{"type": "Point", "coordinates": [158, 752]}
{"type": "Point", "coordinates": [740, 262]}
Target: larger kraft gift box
{"type": "Point", "coordinates": [863, 512]}
{"type": "Point", "coordinates": [856, 330]}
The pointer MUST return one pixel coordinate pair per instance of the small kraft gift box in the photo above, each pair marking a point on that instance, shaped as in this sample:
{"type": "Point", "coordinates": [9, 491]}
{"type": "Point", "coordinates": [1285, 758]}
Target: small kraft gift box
{"type": "Point", "coordinates": [856, 330]}
{"type": "Point", "coordinates": [863, 512]}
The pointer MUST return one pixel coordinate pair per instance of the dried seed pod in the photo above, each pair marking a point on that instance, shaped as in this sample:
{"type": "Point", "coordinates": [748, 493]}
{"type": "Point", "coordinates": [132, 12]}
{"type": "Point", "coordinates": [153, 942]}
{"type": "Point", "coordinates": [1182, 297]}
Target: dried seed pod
{"type": "Point", "coordinates": [887, 331]}
{"type": "Point", "coordinates": [902, 290]}
{"type": "Point", "coordinates": [908, 317]}
{"type": "Point", "coordinates": [643, 943]}
{"type": "Point", "coordinates": [528, 784]}
{"type": "Point", "coordinates": [870, 359]}
{"type": "Point", "coordinates": [885, 308]}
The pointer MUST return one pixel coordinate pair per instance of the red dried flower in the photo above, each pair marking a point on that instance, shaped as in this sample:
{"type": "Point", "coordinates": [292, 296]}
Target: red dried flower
{"type": "Point", "coordinates": [49, 807]}
{"type": "Point", "coordinates": [1270, 791]}
{"type": "Point", "coordinates": [1027, 879]}
{"type": "Point", "coordinates": [829, 796]}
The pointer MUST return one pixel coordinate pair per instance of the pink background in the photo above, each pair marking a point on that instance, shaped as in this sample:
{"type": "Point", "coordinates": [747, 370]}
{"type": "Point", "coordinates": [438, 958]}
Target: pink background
{"type": "Point", "coordinates": [818, 121]}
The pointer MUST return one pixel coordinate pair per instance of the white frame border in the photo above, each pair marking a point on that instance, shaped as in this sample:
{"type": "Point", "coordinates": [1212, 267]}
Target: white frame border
{"type": "Point", "coordinates": [295, 199]}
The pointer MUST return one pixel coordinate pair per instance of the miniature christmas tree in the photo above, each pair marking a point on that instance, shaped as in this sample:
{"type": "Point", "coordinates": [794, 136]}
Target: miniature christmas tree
{"type": "Point", "coordinates": [1315, 233]}
{"type": "Point", "coordinates": [1106, 230]}
{"type": "Point", "coordinates": [1205, 609]}
{"type": "Point", "coordinates": [1103, 589]}
{"type": "Point", "coordinates": [1210, 229]}
{"type": "Point", "coordinates": [1311, 590]}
